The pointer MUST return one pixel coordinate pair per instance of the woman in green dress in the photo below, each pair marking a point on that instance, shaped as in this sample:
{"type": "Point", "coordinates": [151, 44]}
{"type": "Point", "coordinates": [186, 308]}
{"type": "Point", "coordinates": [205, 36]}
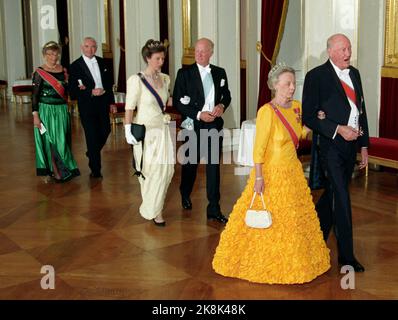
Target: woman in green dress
{"type": "Point", "coordinates": [51, 119]}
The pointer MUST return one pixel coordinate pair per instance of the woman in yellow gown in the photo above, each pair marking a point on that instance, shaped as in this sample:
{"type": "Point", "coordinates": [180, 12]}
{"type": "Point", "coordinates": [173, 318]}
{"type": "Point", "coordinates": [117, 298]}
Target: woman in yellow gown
{"type": "Point", "coordinates": [292, 249]}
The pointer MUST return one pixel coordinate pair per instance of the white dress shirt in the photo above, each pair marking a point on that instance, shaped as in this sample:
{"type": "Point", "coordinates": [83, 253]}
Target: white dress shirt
{"type": "Point", "coordinates": [344, 75]}
{"type": "Point", "coordinates": [92, 65]}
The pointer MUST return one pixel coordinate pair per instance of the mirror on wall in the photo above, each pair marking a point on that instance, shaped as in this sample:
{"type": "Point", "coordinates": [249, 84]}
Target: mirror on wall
{"type": "Point", "coordinates": [190, 29]}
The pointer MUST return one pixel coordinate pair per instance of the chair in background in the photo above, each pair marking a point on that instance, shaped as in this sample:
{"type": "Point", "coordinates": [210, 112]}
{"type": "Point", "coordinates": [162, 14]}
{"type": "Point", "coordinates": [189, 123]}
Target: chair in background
{"type": "Point", "coordinates": [3, 90]}
{"type": "Point", "coordinates": [22, 91]}
{"type": "Point", "coordinates": [120, 102]}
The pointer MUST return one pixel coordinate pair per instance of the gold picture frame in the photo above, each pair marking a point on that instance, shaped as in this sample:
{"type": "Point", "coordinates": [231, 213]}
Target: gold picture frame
{"type": "Point", "coordinates": [106, 46]}
{"type": "Point", "coordinates": [390, 68]}
{"type": "Point", "coordinates": [189, 28]}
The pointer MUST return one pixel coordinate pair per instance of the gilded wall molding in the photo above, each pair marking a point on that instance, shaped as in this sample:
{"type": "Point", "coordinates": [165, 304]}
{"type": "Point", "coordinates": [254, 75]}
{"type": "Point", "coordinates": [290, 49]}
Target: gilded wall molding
{"type": "Point", "coordinates": [187, 42]}
{"type": "Point", "coordinates": [390, 68]}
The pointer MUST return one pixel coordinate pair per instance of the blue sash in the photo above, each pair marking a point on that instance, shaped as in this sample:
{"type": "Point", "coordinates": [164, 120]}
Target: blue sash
{"type": "Point", "coordinates": [153, 91]}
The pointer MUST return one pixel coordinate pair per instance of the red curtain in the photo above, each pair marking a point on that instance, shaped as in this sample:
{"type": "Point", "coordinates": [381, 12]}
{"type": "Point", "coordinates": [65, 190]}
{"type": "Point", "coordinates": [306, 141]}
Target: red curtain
{"type": "Point", "coordinates": [273, 15]}
{"type": "Point", "coordinates": [121, 81]}
{"type": "Point", "coordinates": [388, 108]}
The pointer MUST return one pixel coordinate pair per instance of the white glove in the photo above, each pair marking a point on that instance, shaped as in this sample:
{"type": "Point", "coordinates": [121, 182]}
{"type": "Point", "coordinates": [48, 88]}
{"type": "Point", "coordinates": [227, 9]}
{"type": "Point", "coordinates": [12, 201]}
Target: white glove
{"type": "Point", "coordinates": [129, 137]}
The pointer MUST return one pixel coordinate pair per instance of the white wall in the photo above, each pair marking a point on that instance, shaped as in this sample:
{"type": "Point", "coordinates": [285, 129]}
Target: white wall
{"type": "Point", "coordinates": [84, 21]}
{"type": "Point", "coordinates": [175, 35]}
{"type": "Point", "coordinates": [322, 18]}
{"type": "Point", "coordinates": [44, 27]}
{"type": "Point", "coordinates": [14, 54]}
{"type": "Point", "coordinates": [253, 34]}
{"type": "Point", "coordinates": [292, 45]}
{"type": "Point", "coordinates": [228, 52]}
{"type": "Point", "coordinates": [370, 57]}
{"type": "Point", "coordinates": [141, 23]}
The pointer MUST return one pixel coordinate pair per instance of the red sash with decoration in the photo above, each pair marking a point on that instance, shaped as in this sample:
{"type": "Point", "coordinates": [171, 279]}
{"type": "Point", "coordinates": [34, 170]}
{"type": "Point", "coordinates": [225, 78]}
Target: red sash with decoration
{"type": "Point", "coordinates": [287, 125]}
{"type": "Point", "coordinates": [349, 92]}
{"type": "Point", "coordinates": [53, 82]}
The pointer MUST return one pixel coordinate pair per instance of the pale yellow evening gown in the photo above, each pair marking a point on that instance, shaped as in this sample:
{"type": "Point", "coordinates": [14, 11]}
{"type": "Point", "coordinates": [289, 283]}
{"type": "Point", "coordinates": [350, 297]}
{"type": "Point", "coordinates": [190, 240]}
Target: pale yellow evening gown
{"type": "Point", "coordinates": [158, 166]}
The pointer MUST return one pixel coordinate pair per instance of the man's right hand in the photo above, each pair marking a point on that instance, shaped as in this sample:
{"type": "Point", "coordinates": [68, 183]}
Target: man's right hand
{"type": "Point", "coordinates": [348, 133]}
{"type": "Point", "coordinates": [206, 116]}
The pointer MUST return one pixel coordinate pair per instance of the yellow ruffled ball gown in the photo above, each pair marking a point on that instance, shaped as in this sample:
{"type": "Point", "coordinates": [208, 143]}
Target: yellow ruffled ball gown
{"type": "Point", "coordinates": [292, 250]}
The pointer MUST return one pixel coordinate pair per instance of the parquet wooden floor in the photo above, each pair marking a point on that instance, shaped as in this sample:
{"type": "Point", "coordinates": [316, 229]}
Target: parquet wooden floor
{"type": "Point", "coordinates": [91, 233]}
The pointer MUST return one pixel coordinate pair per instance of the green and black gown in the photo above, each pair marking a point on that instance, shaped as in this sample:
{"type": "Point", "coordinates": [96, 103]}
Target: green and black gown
{"type": "Point", "coordinates": [53, 146]}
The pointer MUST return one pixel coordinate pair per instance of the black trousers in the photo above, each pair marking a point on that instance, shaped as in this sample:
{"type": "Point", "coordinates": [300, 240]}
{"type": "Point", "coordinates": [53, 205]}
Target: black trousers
{"type": "Point", "coordinates": [96, 125]}
{"type": "Point", "coordinates": [208, 146]}
{"type": "Point", "coordinates": [334, 206]}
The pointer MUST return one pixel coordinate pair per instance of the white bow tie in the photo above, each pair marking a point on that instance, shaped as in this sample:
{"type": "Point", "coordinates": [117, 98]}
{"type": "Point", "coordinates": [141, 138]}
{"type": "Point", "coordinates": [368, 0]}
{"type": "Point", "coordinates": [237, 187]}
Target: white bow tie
{"type": "Point", "coordinates": [207, 69]}
{"type": "Point", "coordinates": [344, 72]}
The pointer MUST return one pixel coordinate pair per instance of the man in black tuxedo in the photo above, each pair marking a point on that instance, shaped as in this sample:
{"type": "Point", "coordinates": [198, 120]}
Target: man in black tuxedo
{"type": "Point", "coordinates": [91, 84]}
{"type": "Point", "coordinates": [335, 88]}
{"type": "Point", "coordinates": [201, 95]}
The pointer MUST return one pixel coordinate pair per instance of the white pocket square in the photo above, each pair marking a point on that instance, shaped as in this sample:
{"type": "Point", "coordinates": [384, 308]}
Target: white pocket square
{"type": "Point", "coordinates": [222, 84]}
{"type": "Point", "coordinates": [185, 100]}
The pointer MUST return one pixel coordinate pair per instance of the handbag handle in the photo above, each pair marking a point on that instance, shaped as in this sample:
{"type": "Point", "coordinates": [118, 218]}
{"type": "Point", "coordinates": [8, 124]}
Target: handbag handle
{"type": "Point", "coordinates": [262, 199]}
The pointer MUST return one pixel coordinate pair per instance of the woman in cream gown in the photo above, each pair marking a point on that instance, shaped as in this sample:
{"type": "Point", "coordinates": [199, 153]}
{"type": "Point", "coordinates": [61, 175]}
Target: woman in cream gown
{"type": "Point", "coordinates": [158, 158]}
{"type": "Point", "coordinates": [292, 249]}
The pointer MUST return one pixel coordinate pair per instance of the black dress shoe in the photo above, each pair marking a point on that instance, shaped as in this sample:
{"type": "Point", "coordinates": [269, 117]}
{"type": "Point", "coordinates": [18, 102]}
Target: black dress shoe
{"type": "Point", "coordinates": [355, 264]}
{"type": "Point", "coordinates": [186, 203]}
{"type": "Point", "coordinates": [217, 217]}
{"type": "Point", "coordinates": [95, 175]}
{"type": "Point", "coordinates": [159, 224]}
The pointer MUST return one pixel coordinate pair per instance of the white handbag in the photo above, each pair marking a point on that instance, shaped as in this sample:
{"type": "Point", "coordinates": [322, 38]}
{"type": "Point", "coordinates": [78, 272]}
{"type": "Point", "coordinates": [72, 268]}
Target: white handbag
{"type": "Point", "coordinates": [260, 219]}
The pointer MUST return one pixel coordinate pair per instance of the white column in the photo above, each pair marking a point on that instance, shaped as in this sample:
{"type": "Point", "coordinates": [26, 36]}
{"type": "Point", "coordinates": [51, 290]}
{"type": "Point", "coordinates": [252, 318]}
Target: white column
{"type": "Point", "coordinates": [141, 19]}
{"type": "Point", "coordinates": [44, 27]}
{"type": "Point", "coordinates": [253, 34]}
{"type": "Point", "coordinates": [227, 43]}
{"type": "Point", "coordinates": [371, 57]}
{"type": "Point", "coordinates": [84, 21]}
{"type": "Point", "coordinates": [13, 55]}
{"type": "Point", "coordinates": [115, 37]}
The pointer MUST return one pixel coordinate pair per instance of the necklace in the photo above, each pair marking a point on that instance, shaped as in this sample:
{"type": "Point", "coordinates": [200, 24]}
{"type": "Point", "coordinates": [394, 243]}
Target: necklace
{"type": "Point", "coordinates": [154, 76]}
{"type": "Point", "coordinates": [154, 79]}
{"type": "Point", "coordinates": [285, 105]}
{"type": "Point", "coordinates": [51, 68]}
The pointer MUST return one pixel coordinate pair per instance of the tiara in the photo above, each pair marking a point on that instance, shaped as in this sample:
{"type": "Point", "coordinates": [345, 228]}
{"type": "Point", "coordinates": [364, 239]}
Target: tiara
{"type": "Point", "coordinates": [155, 44]}
{"type": "Point", "coordinates": [276, 68]}
{"type": "Point", "coordinates": [51, 44]}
